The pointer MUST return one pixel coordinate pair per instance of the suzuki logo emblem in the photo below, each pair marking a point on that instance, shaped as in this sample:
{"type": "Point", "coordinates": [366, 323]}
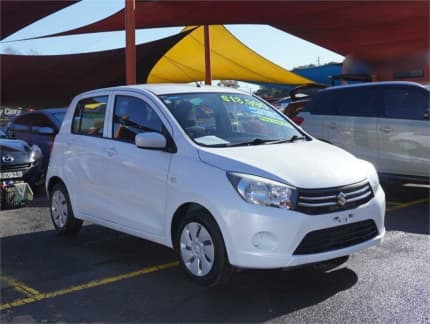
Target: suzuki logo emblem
{"type": "Point", "coordinates": [7, 158]}
{"type": "Point", "coordinates": [341, 199]}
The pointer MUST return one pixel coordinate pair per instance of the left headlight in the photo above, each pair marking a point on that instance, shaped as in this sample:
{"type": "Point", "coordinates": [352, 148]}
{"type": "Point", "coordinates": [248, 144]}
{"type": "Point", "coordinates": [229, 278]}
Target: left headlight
{"type": "Point", "coordinates": [261, 191]}
{"type": "Point", "coordinates": [35, 153]}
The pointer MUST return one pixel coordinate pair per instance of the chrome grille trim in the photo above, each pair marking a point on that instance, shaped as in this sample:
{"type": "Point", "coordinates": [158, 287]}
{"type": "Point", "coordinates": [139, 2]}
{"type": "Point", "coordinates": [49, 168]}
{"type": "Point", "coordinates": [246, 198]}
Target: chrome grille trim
{"type": "Point", "coordinates": [325, 200]}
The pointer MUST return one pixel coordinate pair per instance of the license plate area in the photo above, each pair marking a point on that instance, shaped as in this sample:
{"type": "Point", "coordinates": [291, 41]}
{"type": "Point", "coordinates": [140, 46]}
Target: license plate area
{"type": "Point", "coordinates": [11, 175]}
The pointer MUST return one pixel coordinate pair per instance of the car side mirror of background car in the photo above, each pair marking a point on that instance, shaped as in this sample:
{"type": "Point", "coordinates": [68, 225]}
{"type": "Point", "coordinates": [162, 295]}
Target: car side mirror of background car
{"type": "Point", "coordinates": [151, 140]}
{"type": "Point", "coordinates": [45, 130]}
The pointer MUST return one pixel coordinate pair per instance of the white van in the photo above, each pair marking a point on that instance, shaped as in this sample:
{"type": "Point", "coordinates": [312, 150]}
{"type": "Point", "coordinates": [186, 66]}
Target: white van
{"type": "Point", "coordinates": [386, 123]}
{"type": "Point", "coordinates": [216, 174]}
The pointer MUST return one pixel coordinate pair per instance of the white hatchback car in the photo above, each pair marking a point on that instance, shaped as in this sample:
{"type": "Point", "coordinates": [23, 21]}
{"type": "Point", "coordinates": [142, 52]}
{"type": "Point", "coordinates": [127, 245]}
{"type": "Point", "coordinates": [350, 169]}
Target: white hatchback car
{"type": "Point", "coordinates": [217, 174]}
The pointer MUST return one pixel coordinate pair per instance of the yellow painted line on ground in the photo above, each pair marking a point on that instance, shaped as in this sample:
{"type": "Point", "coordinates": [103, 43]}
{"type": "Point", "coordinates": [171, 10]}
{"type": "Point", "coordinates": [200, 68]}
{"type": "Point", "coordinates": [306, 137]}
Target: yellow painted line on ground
{"type": "Point", "coordinates": [88, 285]}
{"type": "Point", "coordinates": [19, 286]}
{"type": "Point", "coordinates": [408, 204]}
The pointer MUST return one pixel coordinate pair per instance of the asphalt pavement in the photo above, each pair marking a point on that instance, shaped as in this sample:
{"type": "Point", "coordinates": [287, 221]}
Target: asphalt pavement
{"type": "Point", "coordinates": [105, 276]}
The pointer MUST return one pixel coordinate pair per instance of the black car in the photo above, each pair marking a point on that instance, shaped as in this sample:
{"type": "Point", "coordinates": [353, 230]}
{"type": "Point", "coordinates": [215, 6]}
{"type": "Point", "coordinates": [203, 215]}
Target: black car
{"type": "Point", "coordinates": [19, 161]}
{"type": "Point", "coordinates": [38, 127]}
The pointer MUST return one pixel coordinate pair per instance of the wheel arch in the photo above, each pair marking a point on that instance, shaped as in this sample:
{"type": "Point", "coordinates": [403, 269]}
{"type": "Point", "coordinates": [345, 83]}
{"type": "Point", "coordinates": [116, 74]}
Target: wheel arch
{"type": "Point", "coordinates": [183, 210]}
{"type": "Point", "coordinates": [52, 182]}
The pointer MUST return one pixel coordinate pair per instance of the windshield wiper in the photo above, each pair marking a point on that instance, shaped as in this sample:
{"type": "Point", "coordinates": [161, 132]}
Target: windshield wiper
{"type": "Point", "coordinates": [259, 141]}
{"type": "Point", "coordinates": [288, 140]}
{"type": "Point", "coordinates": [256, 141]}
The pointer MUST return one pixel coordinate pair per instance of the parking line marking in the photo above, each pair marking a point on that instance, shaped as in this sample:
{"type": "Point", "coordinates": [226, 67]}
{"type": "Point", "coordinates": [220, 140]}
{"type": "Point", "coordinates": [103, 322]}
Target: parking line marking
{"type": "Point", "coordinates": [408, 204]}
{"type": "Point", "coordinates": [88, 285]}
{"type": "Point", "coordinates": [20, 286]}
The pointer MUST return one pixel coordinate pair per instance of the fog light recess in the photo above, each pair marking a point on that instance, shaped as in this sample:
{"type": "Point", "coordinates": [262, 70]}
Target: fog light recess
{"type": "Point", "coordinates": [265, 241]}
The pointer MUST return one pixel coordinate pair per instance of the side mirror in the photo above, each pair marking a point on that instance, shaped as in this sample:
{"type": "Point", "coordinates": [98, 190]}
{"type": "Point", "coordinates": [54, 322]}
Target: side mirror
{"type": "Point", "coordinates": [151, 140]}
{"type": "Point", "coordinates": [427, 115]}
{"type": "Point", "coordinates": [45, 130]}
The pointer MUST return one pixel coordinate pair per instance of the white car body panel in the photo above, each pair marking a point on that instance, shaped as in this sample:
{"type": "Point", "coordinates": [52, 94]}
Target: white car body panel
{"type": "Point", "coordinates": [138, 191]}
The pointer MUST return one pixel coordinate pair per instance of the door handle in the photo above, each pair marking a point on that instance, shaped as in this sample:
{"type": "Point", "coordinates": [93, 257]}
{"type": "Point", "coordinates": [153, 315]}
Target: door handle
{"type": "Point", "coordinates": [332, 125]}
{"type": "Point", "coordinates": [386, 129]}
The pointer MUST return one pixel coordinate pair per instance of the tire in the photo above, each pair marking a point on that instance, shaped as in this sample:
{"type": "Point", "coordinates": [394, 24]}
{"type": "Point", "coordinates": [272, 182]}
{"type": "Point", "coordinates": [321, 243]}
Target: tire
{"type": "Point", "coordinates": [330, 264]}
{"type": "Point", "coordinates": [61, 211]}
{"type": "Point", "coordinates": [201, 250]}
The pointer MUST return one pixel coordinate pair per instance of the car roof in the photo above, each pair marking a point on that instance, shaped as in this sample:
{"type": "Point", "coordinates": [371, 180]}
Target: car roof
{"type": "Point", "coordinates": [170, 88]}
{"type": "Point", "coordinates": [374, 84]}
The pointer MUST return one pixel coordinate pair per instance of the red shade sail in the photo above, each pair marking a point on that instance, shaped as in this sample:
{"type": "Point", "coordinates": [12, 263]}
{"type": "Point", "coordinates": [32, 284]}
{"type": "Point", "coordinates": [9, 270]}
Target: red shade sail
{"type": "Point", "coordinates": [16, 14]}
{"type": "Point", "coordinates": [371, 30]}
{"type": "Point", "coordinates": [48, 81]}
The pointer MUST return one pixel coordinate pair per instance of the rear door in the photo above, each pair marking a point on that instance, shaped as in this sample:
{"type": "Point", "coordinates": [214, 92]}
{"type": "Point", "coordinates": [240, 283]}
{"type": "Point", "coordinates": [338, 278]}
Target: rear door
{"type": "Point", "coordinates": [318, 114]}
{"type": "Point", "coordinates": [404, 132]}
{"type": "Point", "coordinates": [85, 169]}
{"type": "Point", "coordinates": [354, 126]}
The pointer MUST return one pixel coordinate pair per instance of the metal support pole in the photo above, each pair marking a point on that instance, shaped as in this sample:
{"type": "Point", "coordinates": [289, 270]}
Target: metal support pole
{"type": "Point", "coordinates": [130, 41]}
{"type": "Point", "coordinates": [208, 69]}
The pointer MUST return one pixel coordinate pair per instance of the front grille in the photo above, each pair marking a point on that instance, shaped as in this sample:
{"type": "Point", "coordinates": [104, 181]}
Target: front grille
{"type": "Point", "coordinates": [321, 201]}
{"type": "Point", "coordinates": [13, 167]}
{"type": "Point", "coordinates": [338, 237]}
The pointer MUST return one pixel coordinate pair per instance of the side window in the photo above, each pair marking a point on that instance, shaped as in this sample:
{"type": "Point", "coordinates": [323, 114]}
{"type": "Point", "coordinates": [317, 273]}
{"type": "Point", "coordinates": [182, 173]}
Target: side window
{"type": "Point", "coordinates": [22, 124]}
{"type": "Point", "coordinates": [133, 116]}
{"type": "Point", "coordinates": [90, 116]}
{"type": "Point", "coordinates": [324, 103]}
{"type": "Point", "coordinates": [359, 102]}
{"type": "Point", "coordinates": [405, 103]}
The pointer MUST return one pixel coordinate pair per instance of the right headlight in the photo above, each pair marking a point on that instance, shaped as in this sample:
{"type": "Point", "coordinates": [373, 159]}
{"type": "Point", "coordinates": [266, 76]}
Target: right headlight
{"type": "Point", "coordinates": [261, 191]}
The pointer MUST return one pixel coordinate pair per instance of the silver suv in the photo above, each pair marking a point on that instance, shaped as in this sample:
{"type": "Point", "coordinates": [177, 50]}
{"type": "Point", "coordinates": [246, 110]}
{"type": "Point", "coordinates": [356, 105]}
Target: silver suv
{"type": "Point", "coordinates": [386, 123]}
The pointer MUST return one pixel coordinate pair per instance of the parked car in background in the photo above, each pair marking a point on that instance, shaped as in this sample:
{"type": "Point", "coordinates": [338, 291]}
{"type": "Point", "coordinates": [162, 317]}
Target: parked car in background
{"type": "Point", "coordinates": [38, 127]}
{"type": "Point", "coordinates": [19, 160]}
{"type": "Point", "coordinates": [215, 173]}
{"type": "Point", "coordinates": [386, 123]}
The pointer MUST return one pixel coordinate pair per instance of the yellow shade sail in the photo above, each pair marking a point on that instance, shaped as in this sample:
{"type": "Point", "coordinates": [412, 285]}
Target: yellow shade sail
{"type": "Point", "coordinates": [230, 60]}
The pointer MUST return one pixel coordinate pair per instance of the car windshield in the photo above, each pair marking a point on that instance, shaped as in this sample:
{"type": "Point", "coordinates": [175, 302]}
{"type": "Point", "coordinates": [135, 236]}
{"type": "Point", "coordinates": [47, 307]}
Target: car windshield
{"type": "Point", "coordinates": [229, 119]}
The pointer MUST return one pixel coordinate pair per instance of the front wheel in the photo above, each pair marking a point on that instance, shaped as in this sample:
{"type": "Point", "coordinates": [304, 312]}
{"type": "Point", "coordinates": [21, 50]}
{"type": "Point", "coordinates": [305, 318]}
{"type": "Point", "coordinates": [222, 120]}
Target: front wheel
{"type": "Point", "coordinates": [201, 249]}
{"type": "Point", "coordinates": [61, 211]}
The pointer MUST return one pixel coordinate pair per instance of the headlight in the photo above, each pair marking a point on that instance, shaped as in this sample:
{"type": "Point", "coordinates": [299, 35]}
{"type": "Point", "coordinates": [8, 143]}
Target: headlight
{"type": "Point", "coordinates": [372, 175]}
{"type": "Point", "coordinates": [35, 153]}
{"type": "Point", "coordinates": [261, 191]}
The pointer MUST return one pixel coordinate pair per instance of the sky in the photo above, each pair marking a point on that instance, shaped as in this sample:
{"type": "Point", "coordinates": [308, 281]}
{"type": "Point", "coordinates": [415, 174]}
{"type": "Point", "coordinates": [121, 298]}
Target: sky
{"type": "Point", "coordinates": [275, 45]}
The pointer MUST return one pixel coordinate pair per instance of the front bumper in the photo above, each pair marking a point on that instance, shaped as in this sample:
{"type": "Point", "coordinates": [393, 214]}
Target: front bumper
{"type": "Point", "coordinates": [31, 172]}
{"type": "Point", "coordinates": [267, 238]}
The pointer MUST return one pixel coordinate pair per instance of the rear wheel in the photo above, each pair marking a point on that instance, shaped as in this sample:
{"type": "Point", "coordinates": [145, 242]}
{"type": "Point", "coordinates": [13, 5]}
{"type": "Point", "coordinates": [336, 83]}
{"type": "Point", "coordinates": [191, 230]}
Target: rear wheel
{"type": "Point", "coordinates": [61, 211]}
{"type": "Point", "coordinates": [201, 249]}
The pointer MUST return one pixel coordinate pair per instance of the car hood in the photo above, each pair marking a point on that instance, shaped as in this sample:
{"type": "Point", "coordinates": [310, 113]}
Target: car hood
{"type": "Point", "coordinates": [10, 145]}
{"type": "Point", "coordinates": [303, 164]}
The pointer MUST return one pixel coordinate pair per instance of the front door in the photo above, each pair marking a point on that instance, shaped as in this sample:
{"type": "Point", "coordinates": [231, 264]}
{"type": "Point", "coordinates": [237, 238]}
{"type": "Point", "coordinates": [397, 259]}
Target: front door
{"type": "Point", "coordinates": [139, 176]}
{"type": "Point", "coordinates": [404, 132]}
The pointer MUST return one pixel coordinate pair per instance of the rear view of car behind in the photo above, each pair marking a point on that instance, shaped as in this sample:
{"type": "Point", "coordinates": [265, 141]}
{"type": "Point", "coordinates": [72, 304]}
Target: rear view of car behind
{"type": "Point", "coordinates": [214, 173]}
